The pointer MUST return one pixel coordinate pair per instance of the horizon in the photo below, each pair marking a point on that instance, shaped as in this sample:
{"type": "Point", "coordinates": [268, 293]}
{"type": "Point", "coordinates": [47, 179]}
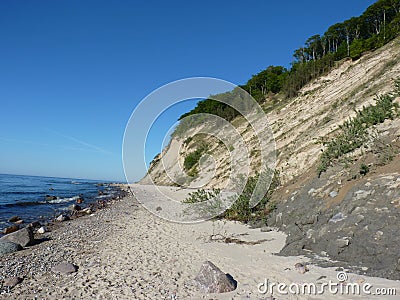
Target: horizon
{"type": "Point", "coordinates": [69, 87]}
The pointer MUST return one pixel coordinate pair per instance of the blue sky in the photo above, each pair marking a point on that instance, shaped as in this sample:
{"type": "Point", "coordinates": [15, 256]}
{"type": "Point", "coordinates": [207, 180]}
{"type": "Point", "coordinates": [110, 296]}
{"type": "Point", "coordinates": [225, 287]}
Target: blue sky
{"type": "Point", "coordinates": [71, 72]}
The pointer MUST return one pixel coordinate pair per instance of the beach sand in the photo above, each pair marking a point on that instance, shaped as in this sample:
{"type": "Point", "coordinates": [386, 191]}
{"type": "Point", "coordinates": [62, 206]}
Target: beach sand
{"type": "Point", "coordinates": [125, 252]}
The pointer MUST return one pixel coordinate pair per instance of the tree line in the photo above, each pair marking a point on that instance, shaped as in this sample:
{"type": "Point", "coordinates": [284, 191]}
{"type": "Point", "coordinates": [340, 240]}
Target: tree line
{"type": "Point", "coordinates": [378, 25]}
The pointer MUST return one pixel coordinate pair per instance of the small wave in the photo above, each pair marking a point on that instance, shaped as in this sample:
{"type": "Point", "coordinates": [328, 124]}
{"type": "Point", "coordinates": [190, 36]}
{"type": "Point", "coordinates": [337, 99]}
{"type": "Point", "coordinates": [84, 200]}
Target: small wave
{"type": "Point", "coordinates": [103, 196]}
{"type": "Point", "coordinates": [75, 182]}
{"type": "Point", "coordinates": [60, 200]}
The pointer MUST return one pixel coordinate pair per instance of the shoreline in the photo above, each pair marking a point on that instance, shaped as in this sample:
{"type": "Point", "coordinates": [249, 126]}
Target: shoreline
{"type": "Point", "coordinates": [125, 252]}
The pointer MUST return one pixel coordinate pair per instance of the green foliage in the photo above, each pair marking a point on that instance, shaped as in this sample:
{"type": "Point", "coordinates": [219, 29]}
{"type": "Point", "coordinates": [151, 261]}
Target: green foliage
{"type": "Point", "coordinates": [241, 210]}
{"type": "Point", "coordinates": [364, 169]}
{"type": "Point", "coordinates": [192, 159]}
{"type": "Point", "coordinates": [353, 133]}
{"type": "Point", "coordinates": [202, 195]}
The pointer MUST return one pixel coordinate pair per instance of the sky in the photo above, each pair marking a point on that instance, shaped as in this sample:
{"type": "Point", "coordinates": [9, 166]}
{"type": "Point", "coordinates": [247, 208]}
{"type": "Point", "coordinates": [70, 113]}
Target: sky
{"type": "Point", "coordinates": [72, 72]}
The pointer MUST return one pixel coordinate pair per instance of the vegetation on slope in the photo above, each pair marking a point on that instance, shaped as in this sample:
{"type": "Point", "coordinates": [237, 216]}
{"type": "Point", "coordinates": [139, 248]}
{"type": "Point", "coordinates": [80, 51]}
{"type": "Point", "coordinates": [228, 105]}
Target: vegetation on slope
{"type": "Point", "coordinates": [378, 25]}
{"type": "Point", "coordinates": [354, 132]}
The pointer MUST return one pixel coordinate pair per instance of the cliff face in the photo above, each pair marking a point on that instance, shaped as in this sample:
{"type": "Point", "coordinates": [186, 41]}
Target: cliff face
{"type": "Point", "coordinates": [296, 124]}
{"type": "Point", "coordinates": [350, 215]}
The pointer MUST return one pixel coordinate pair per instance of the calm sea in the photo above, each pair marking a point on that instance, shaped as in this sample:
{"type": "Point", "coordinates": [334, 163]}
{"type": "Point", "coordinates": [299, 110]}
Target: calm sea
{"type": "Point", "coordinates": [25, 196]}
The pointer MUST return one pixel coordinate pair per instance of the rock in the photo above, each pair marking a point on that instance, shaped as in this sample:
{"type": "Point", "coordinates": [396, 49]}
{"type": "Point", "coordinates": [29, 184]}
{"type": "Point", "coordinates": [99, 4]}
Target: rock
{"type": "Point", "coordinates": [19, 222]}
{"type": "Point", "coordinates": [51, 189]}
{"type": "Point", "coordinates": [80, 200]}
{"type": "Point", "coordinates": [87, 210]}
{"type": "Point", "coordinates": [158, 208]}
{"type": "Point", "coordinates": [10, 229]}
{"type": "Point", "coordinates": [14, 219]}
{"type": "Point", "coordinates": [337, 218]}
{"type": "Point", "coordinates": [333, 194]}
{"type": "Point", "coordinates": [62, 218]}
{"type": "Point", "coordinates": [50, 198]}
{"type": "Point", "coordinates": [212, 280]}
{"type": "Point", "coordinates": [34, 225]}
{"type": "Point", "coordinates": [341, 243]}
{"type": "Point", "coordinates": [12, 281]}
{"type": "Point", "coordinates": [74, 207]}
{"type": "Point", "coordinates": [64, 268]}
{"type": "Point", "coordinates": [42, 230]}
{"type": "Point", "coordinates": [301, 268]}
{"type": "Point", "coordinates": [24, 237]}
{"type": "Point", "coordinates": [8, 247]}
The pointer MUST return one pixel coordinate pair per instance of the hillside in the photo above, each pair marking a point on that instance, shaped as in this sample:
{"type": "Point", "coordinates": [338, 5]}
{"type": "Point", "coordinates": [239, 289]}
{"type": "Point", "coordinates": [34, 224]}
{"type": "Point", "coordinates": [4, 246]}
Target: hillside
{"type": "Point", "coordinates": [310, 207]}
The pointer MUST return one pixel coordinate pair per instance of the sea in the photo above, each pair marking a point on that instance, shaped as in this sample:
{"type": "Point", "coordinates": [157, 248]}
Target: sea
{"type": "Point", "coordinates": [27, 196]}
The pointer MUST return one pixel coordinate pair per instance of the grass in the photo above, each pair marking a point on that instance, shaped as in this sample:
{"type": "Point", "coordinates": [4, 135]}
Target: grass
{"type": "Point", "coordinates": [353, 133]}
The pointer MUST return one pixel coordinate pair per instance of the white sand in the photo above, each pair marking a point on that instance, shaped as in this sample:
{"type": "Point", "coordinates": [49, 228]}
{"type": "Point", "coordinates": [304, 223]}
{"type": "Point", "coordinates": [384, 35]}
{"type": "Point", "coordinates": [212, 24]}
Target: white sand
{"type": "Point", "coordinates": [125, 252]}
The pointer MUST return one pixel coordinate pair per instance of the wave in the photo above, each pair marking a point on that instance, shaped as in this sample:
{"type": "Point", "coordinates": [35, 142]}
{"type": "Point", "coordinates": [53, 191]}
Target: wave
{"type": "Point", "coordinates": [60, 200]}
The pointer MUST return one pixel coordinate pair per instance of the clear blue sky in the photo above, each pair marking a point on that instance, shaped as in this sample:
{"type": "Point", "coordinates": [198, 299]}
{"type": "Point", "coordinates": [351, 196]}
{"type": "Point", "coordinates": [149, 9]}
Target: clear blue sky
{"type": "Point", "coordinates": [71, 72]}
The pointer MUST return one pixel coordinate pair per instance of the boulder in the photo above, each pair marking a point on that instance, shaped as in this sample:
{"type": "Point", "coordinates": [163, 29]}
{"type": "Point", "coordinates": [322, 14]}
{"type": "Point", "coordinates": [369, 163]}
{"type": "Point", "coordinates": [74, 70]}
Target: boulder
{"type": "Point", "coordinates": [74, 207]}
{"type": "Point", "coordinates": [10, 229]}
{"type": "Point", "coordinates": [23, 237]}
{"type": "Point", "coordinates": [212, 280]}
{"type": "Point", "coordinates": [50, 198]}
{"type": "Point", "coordinates": [62, 218]}
{"type": "Point", "coordinates": [19, 222]}
{"type": "Point", "coordinates": [64, 268]}
{"type": "Point", "coordinates": [14, 219]}
{"type": "Point", "coordinates": [34, 225]}
{"type": "Point", "coordinates": [11, 281]}
{"type": "Point", "coordinates": [8, 247]}
{"type": "Point", "coordinates": [80, 200]}
{"type": "Point", "coordinates": [87, 210]}
{"type": "Point", "coordinates": [42, 230]}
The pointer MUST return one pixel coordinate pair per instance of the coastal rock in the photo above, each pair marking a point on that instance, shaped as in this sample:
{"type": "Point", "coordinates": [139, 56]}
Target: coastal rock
{"type": "Point", "coordinates": [14, 219]}
{"type": "Point", "coordinates": [62, 218]}
{"type": "Point", "coordinates": [212, 280]}
{"type": "Point", "coordinates": [74, 207]}
{"type": "Point", "coordinates": [42, 230]}
{"type": "Point", "coordinates": [80, 200]}
{"type": "Point", "coordinates": [301, 268]}
{"type": "Point", "coordinates": [23, 237]}
{"type": "Point", "coordinates": [50, 198]}
{"type": "Point", "coordinates": [8, 247]}
{"type": "Point", "coordinates": [34, 225]}
{"type": "Point", "coordinates": [64, 268]}
{"type": "Point", "coordinates": [12, 281]}
{"type": "Point", "coordinates": [87, 210]}
{"type": "Point", "coordinates": [10, 229]}
{"type": "Point", "coordinates": [19, 222]}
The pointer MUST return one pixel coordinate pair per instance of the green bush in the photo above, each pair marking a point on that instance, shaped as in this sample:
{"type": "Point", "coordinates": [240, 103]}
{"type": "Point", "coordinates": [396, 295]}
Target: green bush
{"type": "Point", "coordinates": [354, 132]}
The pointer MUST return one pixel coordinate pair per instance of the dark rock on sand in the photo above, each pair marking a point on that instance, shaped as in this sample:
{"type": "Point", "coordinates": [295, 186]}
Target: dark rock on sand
{"type": "Point", "coordinates": [23, 237]}
{"type": "Point", "coordinates": [64, 268]}
{"type": "Point", "coordinates": [34, 225]}
{"type": "Point", "coordinates": [14, 219]}
{"type": "Point", "coordinates": [8, 247]}
{"type": "Point", "coordinates": [11, 281]}
{"type": "Point", "coordinates": [10, 229]}
{"type": "Point", "coordinates": [212, 280]}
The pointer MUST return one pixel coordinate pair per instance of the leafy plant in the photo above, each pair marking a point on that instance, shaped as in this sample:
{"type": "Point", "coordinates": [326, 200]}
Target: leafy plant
{"type": "Point", "coordinates": [354, 132]}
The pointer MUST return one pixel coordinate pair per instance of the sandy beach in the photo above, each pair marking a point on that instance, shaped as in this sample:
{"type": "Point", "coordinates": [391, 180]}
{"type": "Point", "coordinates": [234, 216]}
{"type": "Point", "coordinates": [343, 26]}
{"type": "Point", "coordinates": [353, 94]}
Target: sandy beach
{"type": "Point", "coordinates": [125, 252]}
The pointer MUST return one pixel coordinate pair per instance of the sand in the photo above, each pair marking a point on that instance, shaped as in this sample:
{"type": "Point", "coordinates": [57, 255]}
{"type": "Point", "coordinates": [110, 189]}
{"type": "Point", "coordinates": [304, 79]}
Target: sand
{"type": "Point", "coordinates": [126, 252]}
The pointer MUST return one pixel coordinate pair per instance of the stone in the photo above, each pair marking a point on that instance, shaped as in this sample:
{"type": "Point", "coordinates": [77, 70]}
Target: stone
{"type": "Point", "coordinates": [23, 237]}
{"type": "Point", "coordinates": [80, 200]}
{"type": "Point", "coordinates": [158, 208]}
{"type": "Point", "coordinates": [62, 218]}
{"type": "Point", "coordinates": [12, 281]}
{"type": "Point", "coordinates": [341, 243]}
{"type": "Point", "coordinates": [42, 230]}
{"type": "Point", "coordinates": [34, 225]}
{"type": "Point", "coordinates": [74, 207]}
{"type": "Point", "coordinates": [50, 198]}
{"type": "Point", "coordinates": [301, 268]}
{"type": "Point", "coordinates": [333, 194]}
{"type": "Point", "coordinates": [8, 247]}
{"type": "Point", "coordinates": [10, 229]}
{"type": "Point", "coordinates": [337, 218]}
{"type": "Point", "coordinates": [19, 222]}
{"type": "Point", "coordinates": [212, 280]}
{"type": "Point", "coordinates": [64, 268]}
{"type": "Point", "coordinates": [14, 219]}
{"type": "Point", "coordinates": [87, 210]}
